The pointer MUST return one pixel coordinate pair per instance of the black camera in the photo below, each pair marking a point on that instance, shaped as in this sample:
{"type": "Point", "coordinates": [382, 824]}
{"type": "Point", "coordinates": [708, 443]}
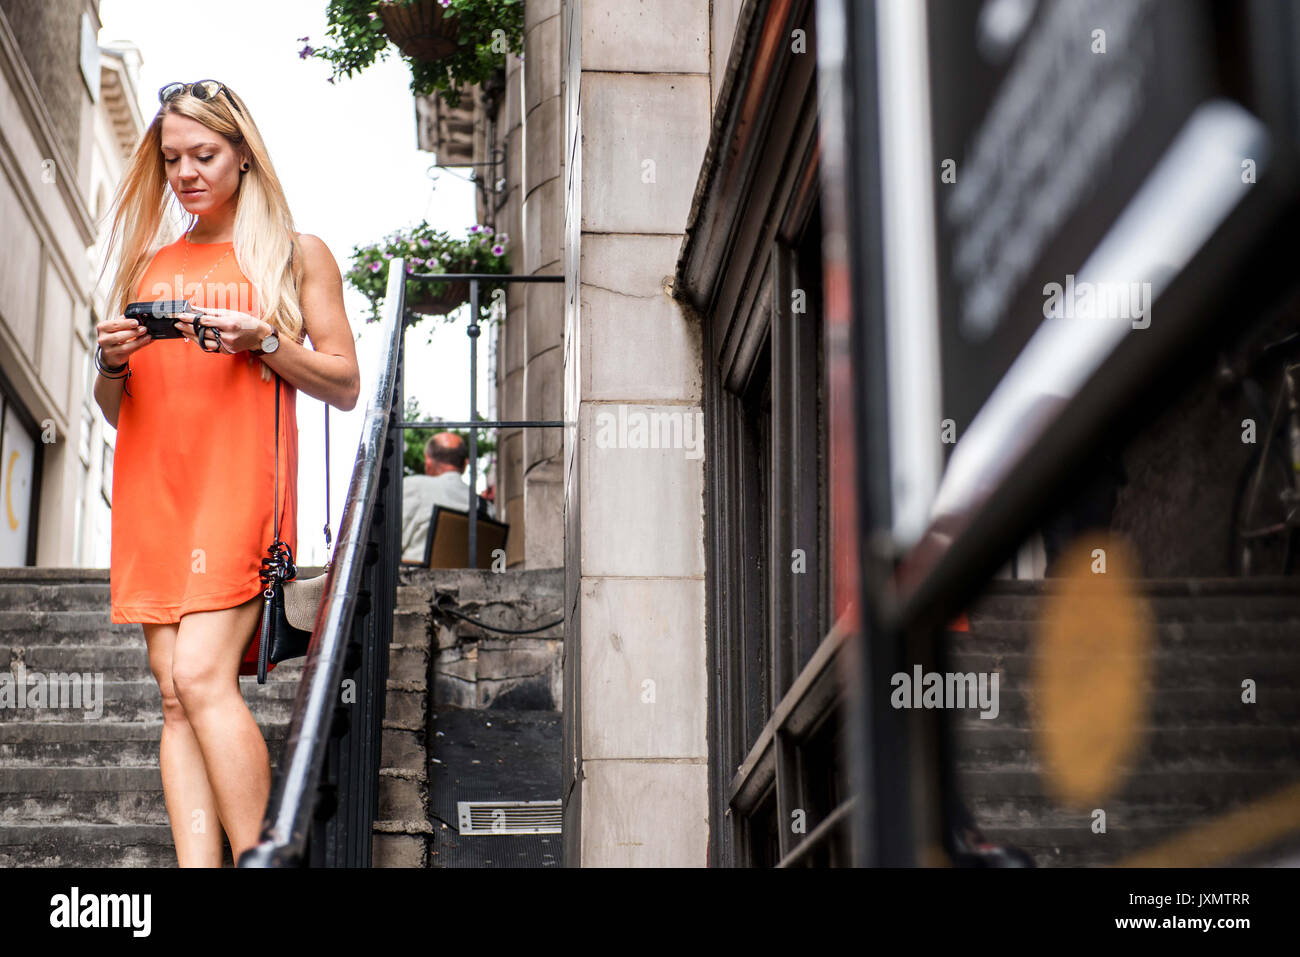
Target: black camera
{"type": "Point", "coordinates": [158, 317]}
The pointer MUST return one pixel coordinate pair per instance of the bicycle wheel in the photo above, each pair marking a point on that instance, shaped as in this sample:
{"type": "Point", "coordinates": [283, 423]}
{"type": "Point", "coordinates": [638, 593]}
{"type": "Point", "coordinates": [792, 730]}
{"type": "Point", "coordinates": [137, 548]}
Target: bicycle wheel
{"type": "Point", "coordinates": [1262, 538]}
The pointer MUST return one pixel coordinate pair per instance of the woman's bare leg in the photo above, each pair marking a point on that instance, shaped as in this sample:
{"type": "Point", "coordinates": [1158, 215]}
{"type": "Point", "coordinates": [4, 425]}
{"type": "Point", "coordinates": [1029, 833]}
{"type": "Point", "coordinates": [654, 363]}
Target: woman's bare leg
{"type": "Point", "coordinates": [191, 806]}
{"type": "Point", "coordinates": [205, 672]}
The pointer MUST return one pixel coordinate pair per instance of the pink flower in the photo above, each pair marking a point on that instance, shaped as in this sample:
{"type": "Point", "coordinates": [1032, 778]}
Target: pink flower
{"type": "Point", "coordinates": [498, 249]}
{"type": "Point", "coordinates": [425, 243]}
{"type": "Point", "coordinates": [305, 52]}
{"type": "Point", "coordinates": [475, 228]}
{"type": "Point", "coordinates": [375, 267]}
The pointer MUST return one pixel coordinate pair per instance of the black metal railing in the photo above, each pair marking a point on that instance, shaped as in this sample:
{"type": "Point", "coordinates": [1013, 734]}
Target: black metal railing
{"type": "Point", "coordinates": [325, 791]}
{"type": "Point", "coordinates": [474, 423]}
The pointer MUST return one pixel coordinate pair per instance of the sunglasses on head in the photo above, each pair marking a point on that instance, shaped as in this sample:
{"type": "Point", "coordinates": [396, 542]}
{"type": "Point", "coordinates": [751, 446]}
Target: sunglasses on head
{"type": "Point", "coordinates": [200, 89]}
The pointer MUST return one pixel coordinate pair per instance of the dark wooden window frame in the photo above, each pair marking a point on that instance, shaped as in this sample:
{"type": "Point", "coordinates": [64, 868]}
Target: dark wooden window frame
{"type": "Point", "coordinates": [754, 242]}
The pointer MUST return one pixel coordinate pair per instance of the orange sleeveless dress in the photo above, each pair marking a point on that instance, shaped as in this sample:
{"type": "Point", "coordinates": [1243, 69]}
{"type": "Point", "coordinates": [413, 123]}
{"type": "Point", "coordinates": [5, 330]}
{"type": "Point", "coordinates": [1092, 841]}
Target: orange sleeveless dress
{"type": "Point", "coordinates": [194, 466]}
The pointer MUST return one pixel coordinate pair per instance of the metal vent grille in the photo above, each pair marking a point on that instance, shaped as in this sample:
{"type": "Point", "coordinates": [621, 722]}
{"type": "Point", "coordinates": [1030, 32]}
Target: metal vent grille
{"type": "Point", "coordinates": [509, 817]}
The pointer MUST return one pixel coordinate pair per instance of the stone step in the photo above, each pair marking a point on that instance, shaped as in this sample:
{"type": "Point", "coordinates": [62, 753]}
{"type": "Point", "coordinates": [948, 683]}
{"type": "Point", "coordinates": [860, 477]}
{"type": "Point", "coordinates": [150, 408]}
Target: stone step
{"type": "Point", "coordinates": [91, 845]}
{"type": "Point", "coordinates": [79, 627]}
{"type": "Point", "coordinates": [1078, 846]}
{"type": "Point", "coordinates": [1225, 605]}
{"type": "Point", "coordinates": [981, 743]}
{"type": "Point", "coordinates": [99, 743]}
{"type": "Point", "coordinates": [19, 596]}
{"type": "Point", "coordinates": [1275, 672]}
{"type": "Point", "coordinates": [1188, 658]}
{"type": "Point", "coordinates": [82, 795]}
{"type": "Point", "coordinates": [84, 626]}
{"type": "Point", "coordinates": [1030, 815]}
{"type": "Point", "coordinates": [46, 795]}
{"type": "Point", "coordinates": [1143, 790]}
{"type": "Point", "coordinates": [105, 659]}
{"type": "Point", "coordinates": [1174, 766]}
{"type": "Point", "coordinates": [1270, 637]}
{"type": "Point", "coordinates": [1164, 708]}
{"type": "Point", "coordinates": [1023, 811]}
{"type": "Point", "coordinates": [138, 699]}
{"type": "Point", "coordinates": [18, 574]}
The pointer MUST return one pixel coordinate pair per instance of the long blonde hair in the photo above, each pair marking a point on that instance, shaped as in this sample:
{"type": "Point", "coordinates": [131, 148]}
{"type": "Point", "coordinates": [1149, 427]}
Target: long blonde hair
{"type": "Point", "coordinates": [264, 244]}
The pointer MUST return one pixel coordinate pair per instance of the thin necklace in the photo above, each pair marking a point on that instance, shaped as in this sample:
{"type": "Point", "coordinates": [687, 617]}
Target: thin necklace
{"type": "Point", "coordinates": [187, 262]}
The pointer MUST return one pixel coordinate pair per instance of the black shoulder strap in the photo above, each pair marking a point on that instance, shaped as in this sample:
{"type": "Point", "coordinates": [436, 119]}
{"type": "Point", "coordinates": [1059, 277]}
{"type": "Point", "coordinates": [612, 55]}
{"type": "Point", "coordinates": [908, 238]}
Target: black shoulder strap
{"type": "Point", "coordinates": [328, 537]}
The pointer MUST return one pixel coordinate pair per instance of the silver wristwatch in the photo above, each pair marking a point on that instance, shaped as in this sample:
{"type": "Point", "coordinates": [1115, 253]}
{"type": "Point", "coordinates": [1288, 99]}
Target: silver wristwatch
{"type": "Point", "coordinates": [270, 343]}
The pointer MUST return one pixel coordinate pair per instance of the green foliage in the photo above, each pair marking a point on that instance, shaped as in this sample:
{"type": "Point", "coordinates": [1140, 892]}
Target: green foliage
{"type": "Point", "coordinates": [488, 30]}
{"type": "Point", "coordinates": [430, 250]}
{"type": "Point", "coordinates": [415, 439]}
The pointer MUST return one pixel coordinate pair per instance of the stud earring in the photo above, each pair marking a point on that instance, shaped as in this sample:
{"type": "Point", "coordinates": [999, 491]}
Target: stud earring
{"type": "Point", "coordinates": [245, 167]}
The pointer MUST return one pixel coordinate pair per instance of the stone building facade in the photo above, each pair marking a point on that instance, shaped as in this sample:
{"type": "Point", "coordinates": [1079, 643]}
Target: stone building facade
{"type": "Point", "coordinates": [68, 118]}
{"type": "Point", "coordinates": [600, 132]}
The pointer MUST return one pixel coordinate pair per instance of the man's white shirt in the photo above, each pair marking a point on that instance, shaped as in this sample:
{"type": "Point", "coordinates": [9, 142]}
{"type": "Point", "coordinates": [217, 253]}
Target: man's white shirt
{"type": "Point", "coordinates": [420, 493]}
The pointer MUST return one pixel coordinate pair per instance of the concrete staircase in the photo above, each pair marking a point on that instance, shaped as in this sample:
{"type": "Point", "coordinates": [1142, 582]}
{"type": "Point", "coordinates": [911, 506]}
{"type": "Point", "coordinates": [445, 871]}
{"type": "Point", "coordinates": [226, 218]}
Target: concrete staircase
{"type": "Point", "coordinates": [84, 791]}
{"type": "Point", "coordinates": [1203, 753]}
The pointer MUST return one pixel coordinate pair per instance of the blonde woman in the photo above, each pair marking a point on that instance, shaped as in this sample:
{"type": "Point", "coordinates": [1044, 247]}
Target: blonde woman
{"type": "Point", "coordinates": [194, 467]}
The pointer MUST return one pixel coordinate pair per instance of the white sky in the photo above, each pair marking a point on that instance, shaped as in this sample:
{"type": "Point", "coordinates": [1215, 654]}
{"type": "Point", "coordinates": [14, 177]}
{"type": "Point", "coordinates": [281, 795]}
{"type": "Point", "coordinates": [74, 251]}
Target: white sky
{"type": "Point", "coordinates": [347, 157]}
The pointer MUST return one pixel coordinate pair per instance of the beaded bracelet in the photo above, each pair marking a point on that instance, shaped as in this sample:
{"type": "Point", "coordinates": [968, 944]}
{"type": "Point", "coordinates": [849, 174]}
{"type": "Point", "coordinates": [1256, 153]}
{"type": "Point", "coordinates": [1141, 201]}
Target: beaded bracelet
{"type": "Point", "coordinates": [111, 372]}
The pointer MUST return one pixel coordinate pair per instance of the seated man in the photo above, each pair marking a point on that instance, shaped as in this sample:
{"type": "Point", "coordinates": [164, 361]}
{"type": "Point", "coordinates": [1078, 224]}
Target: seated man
{"type": "Point", "coordinates": [445, 459]}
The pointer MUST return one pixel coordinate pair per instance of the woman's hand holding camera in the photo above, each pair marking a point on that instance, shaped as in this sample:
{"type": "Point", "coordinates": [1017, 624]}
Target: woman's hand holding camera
{"type": "Point", "coordinates": [235, 331]}
{"type": "Point", "coordinates": [121, 338]}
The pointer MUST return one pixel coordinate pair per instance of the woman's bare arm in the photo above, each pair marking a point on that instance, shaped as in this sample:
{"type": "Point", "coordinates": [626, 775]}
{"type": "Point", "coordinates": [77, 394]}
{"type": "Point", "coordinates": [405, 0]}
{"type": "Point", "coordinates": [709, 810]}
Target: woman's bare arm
{"type": "Point", "coordinates": [328, 370]}
{"type": "Point", "coordinates": [108, 393]}
{"type": "Point", "coordinates": [116, 340]}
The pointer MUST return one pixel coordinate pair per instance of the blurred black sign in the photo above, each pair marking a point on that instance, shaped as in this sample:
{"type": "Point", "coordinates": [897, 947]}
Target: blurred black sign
{"type": "Point", "coordinates": [1047, 118]}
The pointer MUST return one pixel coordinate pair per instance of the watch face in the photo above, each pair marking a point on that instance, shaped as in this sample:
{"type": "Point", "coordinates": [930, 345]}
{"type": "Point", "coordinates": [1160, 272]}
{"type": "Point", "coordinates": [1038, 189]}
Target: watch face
{"type": "Point", "coordinates": [271, 343]}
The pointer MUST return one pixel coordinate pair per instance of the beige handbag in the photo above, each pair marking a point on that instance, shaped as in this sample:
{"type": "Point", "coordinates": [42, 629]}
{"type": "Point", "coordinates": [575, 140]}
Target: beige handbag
{"type": "Point", "coordinates": [290, 607]}
{"type": "Point", "coordinates": [302, 598]}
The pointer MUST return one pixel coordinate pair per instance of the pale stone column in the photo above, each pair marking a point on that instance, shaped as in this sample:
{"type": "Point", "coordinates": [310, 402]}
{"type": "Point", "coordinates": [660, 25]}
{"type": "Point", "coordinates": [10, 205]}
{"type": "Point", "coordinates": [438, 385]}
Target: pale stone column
{"type": "Point", "coordinates": [637, 104]}
{"type": "Point", "coordinates": [543, 221]}
{"type": "Point", "coordinates": [508, 134]}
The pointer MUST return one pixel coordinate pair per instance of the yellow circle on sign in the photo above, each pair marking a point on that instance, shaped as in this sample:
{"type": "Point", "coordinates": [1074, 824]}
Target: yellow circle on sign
{"type": "Point", "coordinates": [1090, 671]}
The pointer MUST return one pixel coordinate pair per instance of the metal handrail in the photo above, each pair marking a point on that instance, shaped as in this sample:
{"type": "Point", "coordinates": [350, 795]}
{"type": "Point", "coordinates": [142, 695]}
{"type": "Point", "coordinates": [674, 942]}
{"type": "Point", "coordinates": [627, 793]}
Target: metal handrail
{"type": "Point", "coordinates": [321, 807]}
{"type": "Point", "coordinates": [299, 794]}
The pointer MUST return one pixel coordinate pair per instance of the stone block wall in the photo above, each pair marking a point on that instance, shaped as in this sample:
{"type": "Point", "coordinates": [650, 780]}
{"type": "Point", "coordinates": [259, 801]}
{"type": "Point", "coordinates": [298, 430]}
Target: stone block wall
{"type": "Point", "coordinates": [638, 99]}
{"type": "Point", "coordinates": [438, 661]}
{"type": "Point", "coordinates": [476, 667]}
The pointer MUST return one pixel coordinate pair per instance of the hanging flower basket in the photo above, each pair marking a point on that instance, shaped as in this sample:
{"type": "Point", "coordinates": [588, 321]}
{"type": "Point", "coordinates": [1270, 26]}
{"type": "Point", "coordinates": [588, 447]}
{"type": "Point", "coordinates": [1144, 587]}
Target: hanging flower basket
{"type": "Point", "coordinates": [451, 46]}
{"type": "Point", "coordinates": [428, 250]}
{"type": "Point", "coordinates": [420, 30]}
{"type": "Point", "coordinates": [423, 297]}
